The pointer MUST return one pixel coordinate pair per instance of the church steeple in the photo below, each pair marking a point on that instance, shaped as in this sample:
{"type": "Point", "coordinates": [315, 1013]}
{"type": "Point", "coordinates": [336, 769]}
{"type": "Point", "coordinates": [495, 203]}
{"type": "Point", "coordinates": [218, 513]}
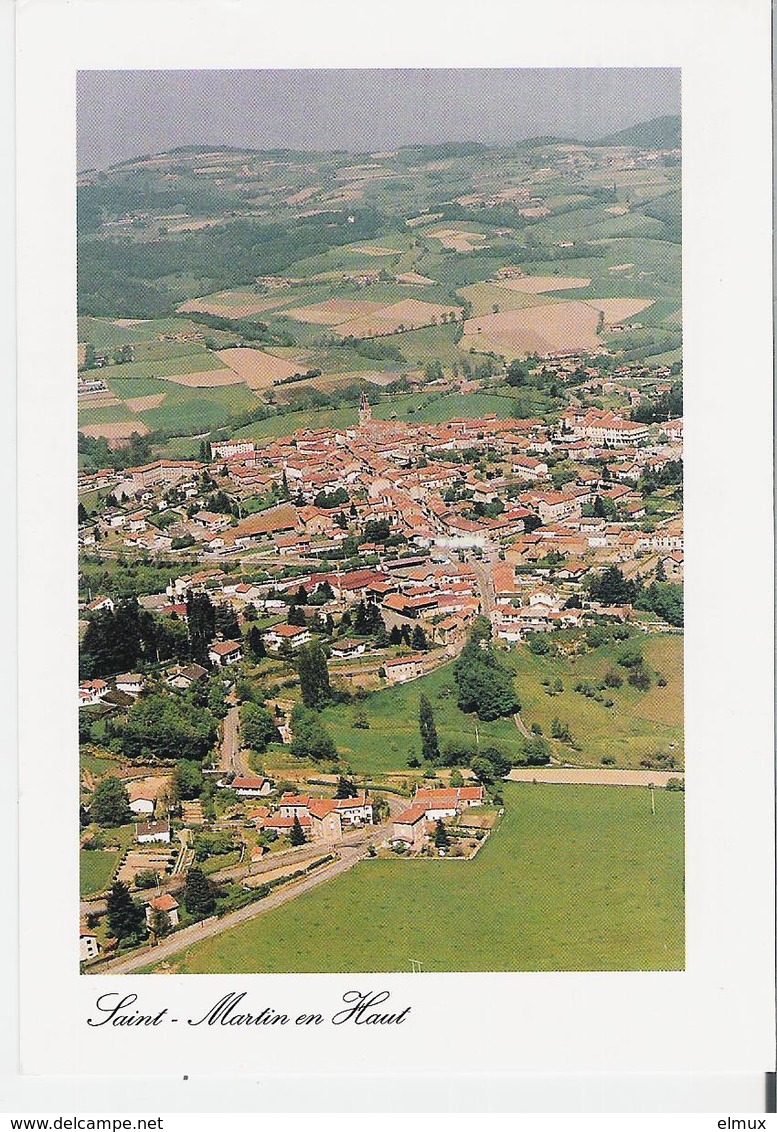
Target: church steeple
{"type": "Point", "coordinates": [365, 410]}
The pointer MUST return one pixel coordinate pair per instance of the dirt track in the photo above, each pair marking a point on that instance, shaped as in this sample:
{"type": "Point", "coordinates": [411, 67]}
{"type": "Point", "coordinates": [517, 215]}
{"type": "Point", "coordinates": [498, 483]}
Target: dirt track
{"type": "Point", "coordinates": [593, 776]}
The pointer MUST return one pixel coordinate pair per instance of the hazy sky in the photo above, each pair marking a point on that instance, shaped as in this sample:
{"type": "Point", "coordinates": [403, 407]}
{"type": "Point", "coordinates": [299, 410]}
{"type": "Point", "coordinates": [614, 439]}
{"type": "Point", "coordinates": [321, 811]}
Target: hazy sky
{"type": "Point", "coordinates": [123, 114]}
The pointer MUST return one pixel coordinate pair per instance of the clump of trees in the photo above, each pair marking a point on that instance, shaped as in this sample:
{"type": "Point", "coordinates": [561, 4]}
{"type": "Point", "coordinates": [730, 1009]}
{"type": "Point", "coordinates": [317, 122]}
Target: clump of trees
{"type": "Point", "coordinates": [297, 833]}
{"type": "Point", "coordinates": [611, 587]}
{"type": "Point", "coordinates": [110, 804]}
{"type": "Point", "coordinates": [310, 738]}
{"type": "Point", "coordinates": [258, 725]}
{"type": "Point", "coordinates": [664, 599]}
{"type": "Point", "coordinates": [483, 684]}
{"type": "Point", "coordinates": [664, 408]}
{"type": "Point", "coordinates": [126, 919]}
{"type": "Point", "coordinates": [199, 896]}
{"type": "Point", "coordinates": [117, 640]}
{"type": "Point", "coordinates": [165, 727]}
{"type": "Point", "coordinates": [430, 745]}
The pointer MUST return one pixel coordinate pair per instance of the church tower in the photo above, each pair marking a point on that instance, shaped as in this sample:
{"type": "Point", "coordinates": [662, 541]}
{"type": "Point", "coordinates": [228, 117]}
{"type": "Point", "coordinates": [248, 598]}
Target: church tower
{"type": "Point", "coordinates": [365, 411]}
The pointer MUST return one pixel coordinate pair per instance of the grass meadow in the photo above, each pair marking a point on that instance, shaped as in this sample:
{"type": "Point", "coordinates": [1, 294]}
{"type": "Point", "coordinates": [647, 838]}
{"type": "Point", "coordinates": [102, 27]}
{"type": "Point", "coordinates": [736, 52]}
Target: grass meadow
{"type": "Point", "coordinates": [576, 878]}
{"type": "Point", "coordinates": [638, 724]}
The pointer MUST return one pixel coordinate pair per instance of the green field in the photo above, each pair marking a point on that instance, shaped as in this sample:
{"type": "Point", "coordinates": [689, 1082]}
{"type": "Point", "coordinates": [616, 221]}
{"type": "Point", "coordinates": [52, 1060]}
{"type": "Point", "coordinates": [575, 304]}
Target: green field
{"type": "Point", "coordinates": [455, 406]}
{"type": "Point", "coordinates": [198, 410]}
{"type": "Point", "coordinates": [575, 879]}
{"type": "Point", "coordinates": [126, 388]}
{"type": "Point", "coordinates": [422, 407]}
{"type": "Point", "coordinates": [639, 723]}
{"type": "Point", "coordinates": [393, 717]}
{"type": "Point", "coordinates": [192, 360]}
{"type": "Point", "coordinates": [104, 414]}
{"type": "Point", "coordinates": [287, 423]}
{"type": "Point", "coordinates": [97, 868]}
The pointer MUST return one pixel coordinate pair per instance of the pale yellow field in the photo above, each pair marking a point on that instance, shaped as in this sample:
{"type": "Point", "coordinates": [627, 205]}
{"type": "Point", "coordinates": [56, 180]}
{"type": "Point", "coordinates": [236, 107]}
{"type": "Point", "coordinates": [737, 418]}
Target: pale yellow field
{"type": "Point", "coordinates": [485, 296]}
{"type": "Point", "coordinates": [331, 311]}
{"type": "Point", "coordinates": [257, 369]}
{"type": "Point", "coordinates": [97, 400]}
{"type": "Point", "coordinates": [303, 195]}
{"type": "Point", "coordinates": [115, 430]}
{"type": "Point", "coordinates": [537, 284]}
{"type": "Point", "coordinates": [375, 251]}
{"type": "Point", "coordinates": [459, 241]}
{"type": "Point", "coordinates": [347, 194]}
{"type": "Point", "coordinates": [192, 226]}
{"type": "Point", "coordinates": [547, 329]}
{"type": "Point", "coordinates": [425, 218]}
{"type": "Point", "coordinates": [616, 310]}
{"type": "Point", "coordinates": [230, 304]}
{"type": "Point", "coordinates": [412, 277]}
{"type": "Point", "coordinates": [140, 404]}
{"type": "Point", "coordinates": [406, 315]}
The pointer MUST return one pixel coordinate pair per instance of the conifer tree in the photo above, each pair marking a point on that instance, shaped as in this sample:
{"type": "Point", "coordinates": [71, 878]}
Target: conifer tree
{"type": "Point", "coordinates": [430, 745]}
{"type": "Point", "coordinates": [125, 917]}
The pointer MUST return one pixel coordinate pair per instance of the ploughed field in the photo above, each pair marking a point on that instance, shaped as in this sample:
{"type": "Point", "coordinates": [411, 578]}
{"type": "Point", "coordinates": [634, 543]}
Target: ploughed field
{"type": "Point", "coordinates": [576, 878]}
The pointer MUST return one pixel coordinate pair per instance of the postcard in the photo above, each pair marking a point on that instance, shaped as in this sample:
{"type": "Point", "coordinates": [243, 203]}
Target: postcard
{"type": "Point", "coordinates": [354, 479]}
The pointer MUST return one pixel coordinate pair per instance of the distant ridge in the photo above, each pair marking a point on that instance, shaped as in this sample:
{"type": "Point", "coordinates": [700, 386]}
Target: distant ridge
{"type": "Point", "coordinates": [659, 133]}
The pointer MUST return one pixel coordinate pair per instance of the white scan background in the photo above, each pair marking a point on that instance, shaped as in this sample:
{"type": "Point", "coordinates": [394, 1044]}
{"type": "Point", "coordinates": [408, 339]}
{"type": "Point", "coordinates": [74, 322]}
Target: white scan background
{"type": "Point", "coordinates": [718, 1014]}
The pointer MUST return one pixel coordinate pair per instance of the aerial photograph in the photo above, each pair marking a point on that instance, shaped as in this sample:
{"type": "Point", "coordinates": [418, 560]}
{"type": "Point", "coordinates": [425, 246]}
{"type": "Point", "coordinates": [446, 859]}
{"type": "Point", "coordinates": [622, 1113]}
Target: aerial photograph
{"type": "Point", "coordinates": [380, 521]}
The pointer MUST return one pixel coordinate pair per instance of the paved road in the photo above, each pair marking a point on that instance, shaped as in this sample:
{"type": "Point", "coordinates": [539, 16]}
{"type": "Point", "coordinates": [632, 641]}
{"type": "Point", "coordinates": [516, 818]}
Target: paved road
{"type": "Point", "coordinates": [233, 760]}
{"type": "Point", "coordinates": [348, 856]}
{"type": "Point", "coordinates": [594, 776]}
{"type": "Point", "coordinates": [482, 571]}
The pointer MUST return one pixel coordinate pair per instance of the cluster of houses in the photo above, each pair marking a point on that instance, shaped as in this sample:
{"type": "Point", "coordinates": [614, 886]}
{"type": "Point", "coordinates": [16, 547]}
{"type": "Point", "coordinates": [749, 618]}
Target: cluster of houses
{"type": "Point", "coordinates": [321, 819]}
{"type": "Point", "coordinates": [450, 492]}
{"type": "Point", "coordinates": [412, 827]}
{"type": "Point", "coordinates": [324, 821]}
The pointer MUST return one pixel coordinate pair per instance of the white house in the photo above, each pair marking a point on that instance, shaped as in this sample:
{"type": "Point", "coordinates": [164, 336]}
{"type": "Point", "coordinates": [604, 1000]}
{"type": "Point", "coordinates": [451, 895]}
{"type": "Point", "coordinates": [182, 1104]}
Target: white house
{"type": "Point", "coordinates": [165, 905]}
{"type": "Point", "coordinates": [142, 799]}
{"type": "Point", "coordinates": [130, 682]}
{"type": "Point", "coordinates": [349, 648]}
{"type": "Point", "coordinates": [101, 602]}
{"type": "Point", "coordinates": [146, 832]}
{"type": "Point", "coordinates": [294, 635]}
{"type": "Point", "coordinates": [446, 803]}
{"type": "Point", "coordinates": [225, 653]}
{"type": "Point", "coordinates": [402, 668]}
{"type": "Point", "coordinates": [89, 948]}
{"type": "Point", "coordinates": [252, 787]}
{"type": "Point", "coordinates": [410, 827]}
{"type": "Point", "coordinates": [91, 692]}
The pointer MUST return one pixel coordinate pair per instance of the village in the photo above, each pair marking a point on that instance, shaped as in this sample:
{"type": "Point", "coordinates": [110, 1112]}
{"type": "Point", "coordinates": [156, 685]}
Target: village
{"type": "Point", "coordinates": [375, 550]}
